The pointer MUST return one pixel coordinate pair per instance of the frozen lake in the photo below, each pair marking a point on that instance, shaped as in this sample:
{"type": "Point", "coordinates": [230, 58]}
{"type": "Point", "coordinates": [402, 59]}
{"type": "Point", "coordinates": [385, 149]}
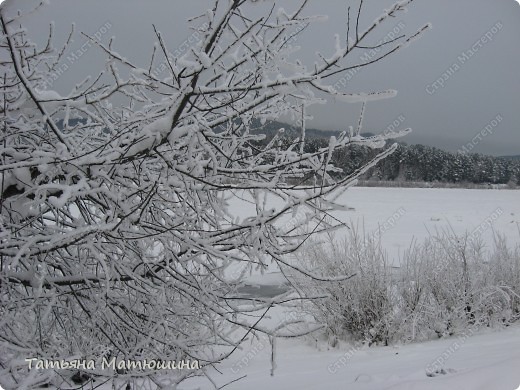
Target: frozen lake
{"type": "Point", "coordinates": [414, 213]}
{"type": "Point", "coordinates": [402, 215]}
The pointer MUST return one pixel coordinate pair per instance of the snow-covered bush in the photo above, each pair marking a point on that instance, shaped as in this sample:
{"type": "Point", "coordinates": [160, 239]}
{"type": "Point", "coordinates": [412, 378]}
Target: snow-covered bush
{"type": "Point", "coordinates": [117, 240]}
{"type": "Point", "coordinates": [459, 281]}
{"type": "Point", "coordinates": [504, 265]}
{"type": "Point", "coordinates": [443, 286]}
{"type": "Point", "coordinates": [361, 307]}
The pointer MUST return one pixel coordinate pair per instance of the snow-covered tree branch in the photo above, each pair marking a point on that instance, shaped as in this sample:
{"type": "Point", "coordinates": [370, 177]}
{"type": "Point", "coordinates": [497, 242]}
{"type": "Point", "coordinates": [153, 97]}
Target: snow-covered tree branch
{"type": "Point", "coordinates": [117, 239]}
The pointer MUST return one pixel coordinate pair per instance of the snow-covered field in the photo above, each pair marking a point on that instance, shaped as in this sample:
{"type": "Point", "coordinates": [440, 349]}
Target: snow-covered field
{"type": "Point", "coordinates": [484, 361]}
{"type": "Point", "coordinates": [401, 215]}
{"type": "Point", "coordinates": [487, 361]}
{"type": "Point", "coordinates": [414, 213]}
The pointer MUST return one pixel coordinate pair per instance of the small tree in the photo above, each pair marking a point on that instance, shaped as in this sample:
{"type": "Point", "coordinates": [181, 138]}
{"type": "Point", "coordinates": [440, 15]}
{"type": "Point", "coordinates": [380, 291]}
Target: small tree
{"type": "Point", "coordinates": [117, 238]}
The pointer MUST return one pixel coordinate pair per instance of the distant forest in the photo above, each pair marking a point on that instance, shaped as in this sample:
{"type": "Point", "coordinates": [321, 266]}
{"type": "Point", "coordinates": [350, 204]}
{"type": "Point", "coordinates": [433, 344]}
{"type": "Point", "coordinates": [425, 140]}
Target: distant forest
{"type": "Point", "coordinates": [410, 163]}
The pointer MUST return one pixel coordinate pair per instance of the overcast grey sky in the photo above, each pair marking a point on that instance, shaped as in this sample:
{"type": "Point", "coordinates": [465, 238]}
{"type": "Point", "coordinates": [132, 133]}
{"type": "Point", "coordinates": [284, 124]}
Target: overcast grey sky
{"type": "Point", "coordinates": [476, 90]}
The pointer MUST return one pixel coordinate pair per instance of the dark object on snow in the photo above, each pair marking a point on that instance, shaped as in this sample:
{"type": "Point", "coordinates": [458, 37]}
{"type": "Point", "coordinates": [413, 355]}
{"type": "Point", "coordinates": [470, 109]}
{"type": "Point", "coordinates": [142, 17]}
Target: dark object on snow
{"type": "Point", "coordinates": [80, 377]}
{"type": "Point", "coordinates": [440, 371]}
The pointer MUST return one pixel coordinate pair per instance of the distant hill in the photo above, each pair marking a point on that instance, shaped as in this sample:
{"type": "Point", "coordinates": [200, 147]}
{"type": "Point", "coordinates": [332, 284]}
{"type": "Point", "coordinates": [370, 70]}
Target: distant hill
{"type": "Point", "coordinates": [409, 163]}
{"type": "Point", "coordinates": [270, 128]}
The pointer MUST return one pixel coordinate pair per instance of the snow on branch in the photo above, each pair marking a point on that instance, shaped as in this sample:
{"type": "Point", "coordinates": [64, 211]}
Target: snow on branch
{"type": "Point", "coordinates": [118, 234]}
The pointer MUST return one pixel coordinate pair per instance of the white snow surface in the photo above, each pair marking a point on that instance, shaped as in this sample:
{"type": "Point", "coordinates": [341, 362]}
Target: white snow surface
{"type": "Point", "coordinates": [489, 360]}
{"type": "Point", "coordinates": [421, 212]}
{"type": "Point", "coordinates": [426, 210]}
